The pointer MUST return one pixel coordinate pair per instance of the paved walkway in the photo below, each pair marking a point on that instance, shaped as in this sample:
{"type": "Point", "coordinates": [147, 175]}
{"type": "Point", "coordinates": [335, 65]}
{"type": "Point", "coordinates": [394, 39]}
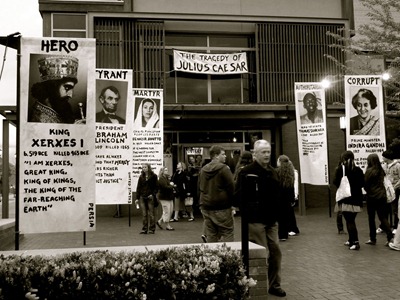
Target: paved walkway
{"type": "Point", "coordinates": [316, 264]}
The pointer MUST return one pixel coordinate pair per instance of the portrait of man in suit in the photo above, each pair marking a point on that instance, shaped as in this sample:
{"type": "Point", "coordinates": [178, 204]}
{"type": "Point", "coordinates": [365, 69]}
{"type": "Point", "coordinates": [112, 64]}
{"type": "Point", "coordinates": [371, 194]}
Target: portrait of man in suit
{"type": "Point", "coordinates": [109, 98]}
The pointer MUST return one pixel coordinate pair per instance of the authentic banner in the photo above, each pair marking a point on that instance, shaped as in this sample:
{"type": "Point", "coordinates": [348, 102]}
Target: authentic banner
{"type": "Point", "coordinates": [114, 127]}
{"type": "Point", "coordinates": [57, 135]}
{"type": "Point", "coordinates": [214, 64]}
{"type": "Point", "coordinates": [365, 122]}
{"type": "Point", "coordinates": [311, 133]}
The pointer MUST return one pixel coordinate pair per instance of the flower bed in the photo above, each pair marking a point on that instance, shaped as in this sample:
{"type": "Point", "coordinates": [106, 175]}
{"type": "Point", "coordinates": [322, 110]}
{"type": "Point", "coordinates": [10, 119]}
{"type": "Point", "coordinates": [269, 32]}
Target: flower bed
{"type": "Point", "coordinates": [192, 272]}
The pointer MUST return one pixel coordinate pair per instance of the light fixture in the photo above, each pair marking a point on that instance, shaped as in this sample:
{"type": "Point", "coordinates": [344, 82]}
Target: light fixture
{"type": "Point", "coordinates": [326, 83]}
{"type": "Point", "coordinates": [342, 122]}
{"type": "Point", "coordinates": [386, 76]}
{"type": "Point", "coordinates": [234, 137]}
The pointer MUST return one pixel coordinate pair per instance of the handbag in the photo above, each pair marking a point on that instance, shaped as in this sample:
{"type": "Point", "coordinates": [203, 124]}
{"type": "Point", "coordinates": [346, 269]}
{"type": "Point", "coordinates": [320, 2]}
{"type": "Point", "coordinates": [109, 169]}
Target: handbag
{"type": "Point", "coordinates": [343, 190]}
{"type": "Point", "coordinates": [390, 192]}
{"type": "Point", "coordinates": [188, 201]}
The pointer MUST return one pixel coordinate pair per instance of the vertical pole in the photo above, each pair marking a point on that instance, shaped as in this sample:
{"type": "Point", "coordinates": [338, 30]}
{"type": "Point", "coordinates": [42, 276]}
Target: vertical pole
{"type": "Point", "coordinates": [18, 144]}
{"type": "Point", "coordinates": [5, 176]}
{"type": "Point", "coordinates": [84, 238]}
{"type": "Point", "coordinates": [245, 224]}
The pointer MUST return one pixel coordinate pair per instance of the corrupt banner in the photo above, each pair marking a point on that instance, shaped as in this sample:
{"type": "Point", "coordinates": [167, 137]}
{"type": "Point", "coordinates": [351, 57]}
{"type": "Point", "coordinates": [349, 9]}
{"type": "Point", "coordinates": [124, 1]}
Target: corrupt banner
{"type": "Point", "coordinates": [147, 131]}
{"type": "Point", "coordinates": [114, 107]}
{"type": "Point", "coordinates": [206, 63]}
{"type": "Point", "coordinates": [311, 133]}
{"type": "Point", "coordinates": [57, 132]}
{"type": "Point", "coordinates": [365, 122]}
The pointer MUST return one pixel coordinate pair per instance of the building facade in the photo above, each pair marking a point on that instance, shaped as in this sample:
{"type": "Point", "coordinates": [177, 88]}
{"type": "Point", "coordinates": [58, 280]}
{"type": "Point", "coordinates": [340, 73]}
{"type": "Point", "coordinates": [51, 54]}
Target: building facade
{"type": "Point", "coordinates": [285, 41]}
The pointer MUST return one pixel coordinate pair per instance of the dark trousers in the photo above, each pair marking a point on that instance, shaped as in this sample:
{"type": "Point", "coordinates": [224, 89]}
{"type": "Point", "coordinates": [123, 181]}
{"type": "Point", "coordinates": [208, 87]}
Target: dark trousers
{"type": "Point", "coordinates": [379, 207]}
{"type": "Point", "coordinates": [350, 218]}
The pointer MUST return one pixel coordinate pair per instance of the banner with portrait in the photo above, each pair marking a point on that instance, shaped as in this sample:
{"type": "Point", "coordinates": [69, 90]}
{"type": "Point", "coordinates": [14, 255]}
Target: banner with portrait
{"type": "Point", "coordinates": [148, 146]}
{"type": "Point", "coordinates": [114, 107]}
{"type": "Point", "coordinates": [365, 122]}
{"type": "Point", "coordinates": [57, 134]}
{"type": "Point", "coordinates": [311, 133]}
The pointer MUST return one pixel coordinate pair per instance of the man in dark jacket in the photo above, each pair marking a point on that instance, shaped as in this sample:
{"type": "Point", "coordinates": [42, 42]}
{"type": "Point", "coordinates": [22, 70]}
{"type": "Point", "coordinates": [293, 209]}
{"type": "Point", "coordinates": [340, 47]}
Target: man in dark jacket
{"type": "Point", "coordinates": [216, 197]}
{"type": "Point", "coordinates": [258, 186]}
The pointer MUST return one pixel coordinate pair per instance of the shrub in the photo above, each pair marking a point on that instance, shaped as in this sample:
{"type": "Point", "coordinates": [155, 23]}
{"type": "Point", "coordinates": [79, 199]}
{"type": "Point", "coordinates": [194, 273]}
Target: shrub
{"type": "Point", "coordinates": [191, 272]}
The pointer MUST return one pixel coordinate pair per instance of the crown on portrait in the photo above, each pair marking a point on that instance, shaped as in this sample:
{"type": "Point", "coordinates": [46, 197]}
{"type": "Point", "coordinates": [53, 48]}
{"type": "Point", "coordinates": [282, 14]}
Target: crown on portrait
{"type": "Point", "coordinates": [58, 67]}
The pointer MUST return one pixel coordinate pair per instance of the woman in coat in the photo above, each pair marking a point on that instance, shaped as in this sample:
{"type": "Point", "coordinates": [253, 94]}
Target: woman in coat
{"type": "Point", "coordinates": [376, 198]}
{"type": "Point", "coordinates": [146, 196]}
{"type": "Point", "coordinates": [352, 205]}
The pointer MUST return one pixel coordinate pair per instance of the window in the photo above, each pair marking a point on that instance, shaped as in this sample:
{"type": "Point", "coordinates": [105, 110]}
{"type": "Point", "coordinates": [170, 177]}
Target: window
{"type": "Point", "coordinates": [69, 25]}
{"type": "Point", "coordinates": [182, 87]}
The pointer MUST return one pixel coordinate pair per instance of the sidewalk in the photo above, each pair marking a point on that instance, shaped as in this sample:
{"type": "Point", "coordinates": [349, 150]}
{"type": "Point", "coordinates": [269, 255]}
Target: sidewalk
{"type": "Point", "coordinates": [315, 264]}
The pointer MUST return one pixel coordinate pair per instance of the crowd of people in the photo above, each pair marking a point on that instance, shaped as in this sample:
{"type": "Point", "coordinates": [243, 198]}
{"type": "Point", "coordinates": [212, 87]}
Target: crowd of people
{"type": "Point", "coordinates": [268, 193]}
{"type": "Point", "coordinates": [369, 187]}
{"type": "Point", "coordinates": [268, 196]}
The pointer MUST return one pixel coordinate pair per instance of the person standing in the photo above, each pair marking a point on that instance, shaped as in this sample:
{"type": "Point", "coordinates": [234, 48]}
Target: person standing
{"type": "Point", "coordinates": [352, 205]}
{"type": "Point", "coordinates": [287, 219]}
{"type": "Point", "coordinates": [261, 199]}
{"type": "Point", "coordinates": [245, 159]}
{"type": "Point", "coordinates": [182, 190]}
{"type": "Point", "coordinates": [166, 196]}
{"type": "Point", "coordinates": [393, 173]}
{"type": "Point", "coordinates": [216, 197]}
{"type": "Point", "coordinates": [376, 198]}
{"type": "Point", "coordinates": [146, 196]}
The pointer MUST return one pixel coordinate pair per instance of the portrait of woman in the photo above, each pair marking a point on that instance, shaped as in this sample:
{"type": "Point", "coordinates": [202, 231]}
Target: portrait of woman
{"type": "Point", "coordinates": [147, 115]}
{"type": "Point", "coordinates": [365, 123]}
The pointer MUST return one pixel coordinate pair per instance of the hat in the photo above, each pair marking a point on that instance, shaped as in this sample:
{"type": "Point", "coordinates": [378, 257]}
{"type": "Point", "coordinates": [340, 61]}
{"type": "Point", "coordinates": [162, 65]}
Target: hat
{"type": "Point", "coordinates": [58, 67]}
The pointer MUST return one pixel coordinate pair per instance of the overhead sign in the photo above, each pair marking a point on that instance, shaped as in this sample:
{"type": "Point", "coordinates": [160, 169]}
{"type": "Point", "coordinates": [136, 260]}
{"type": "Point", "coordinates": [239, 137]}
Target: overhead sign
{"type": "Point", "coordinates": [207, 63]}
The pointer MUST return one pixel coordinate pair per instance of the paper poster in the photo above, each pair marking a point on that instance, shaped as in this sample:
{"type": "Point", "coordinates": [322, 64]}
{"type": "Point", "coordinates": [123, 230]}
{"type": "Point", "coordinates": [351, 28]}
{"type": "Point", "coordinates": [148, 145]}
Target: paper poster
{"type": "Point", "coordinates": [210, 63]}
{"type": "Point", "coordinates": [311, 133]}
{"type": "Point", "coordinates": [57, 133]}
{"type": "Point", "coordinates": [365, 122]}
{"type": "Point", "coordinates": [147, 131]}
{"type": "Point", "coordinates": [114, 128]}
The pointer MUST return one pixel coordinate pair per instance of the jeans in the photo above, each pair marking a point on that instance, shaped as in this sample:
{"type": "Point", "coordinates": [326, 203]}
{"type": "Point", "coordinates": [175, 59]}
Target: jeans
{"type": "Point", "coordinates": [147, 206]}
{"type": "Point", "coordinates": [218, 225]}
{"type": "Point", "coordinates": [167, 208]}
{"type": "Point", "coordinates": [267, 236]}
{"type": "Point", "coordinates": [379, 206]}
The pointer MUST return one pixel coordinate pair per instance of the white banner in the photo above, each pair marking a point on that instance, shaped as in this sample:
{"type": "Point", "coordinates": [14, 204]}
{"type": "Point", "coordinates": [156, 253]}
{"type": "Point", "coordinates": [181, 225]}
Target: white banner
{"type": "Point", "coordinates": [365, 122]}
{"type": "Point", "coordinates": [206, 63]}
{"type": "Point", "coordinates": [57, 132]}
{"type": "Point", "coordinates": [147, 131]}
{"type": "Point", "coordinates": [114, 106]}
{"type": "Point", "coordinates": [311, 133]}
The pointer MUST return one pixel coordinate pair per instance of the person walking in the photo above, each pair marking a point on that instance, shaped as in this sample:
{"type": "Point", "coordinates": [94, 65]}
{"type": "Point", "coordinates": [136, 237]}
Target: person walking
{"type": "Point", "coordinates": [258, 190]}
{"type": "Point", "coordinates": [146, 196]}
{"type": "Point", "coordinates": [287, 219]}
{"type": "Point", "coordinates": [166, 197]}
{"type": "Point", "coordinates": [376, 198]}
{"type": "Point", "coordinates": [352, 205]}
{"type": "Point", "coordinates": [393, 173]}
{"type": "Point", "coordinates": [182, 190]}
{"type": "Point", "coordinates": [216, 198]}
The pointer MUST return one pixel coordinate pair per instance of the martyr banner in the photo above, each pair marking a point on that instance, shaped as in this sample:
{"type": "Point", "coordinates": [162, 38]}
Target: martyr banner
{"type": "Point", "coordinates": [147, 131]}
